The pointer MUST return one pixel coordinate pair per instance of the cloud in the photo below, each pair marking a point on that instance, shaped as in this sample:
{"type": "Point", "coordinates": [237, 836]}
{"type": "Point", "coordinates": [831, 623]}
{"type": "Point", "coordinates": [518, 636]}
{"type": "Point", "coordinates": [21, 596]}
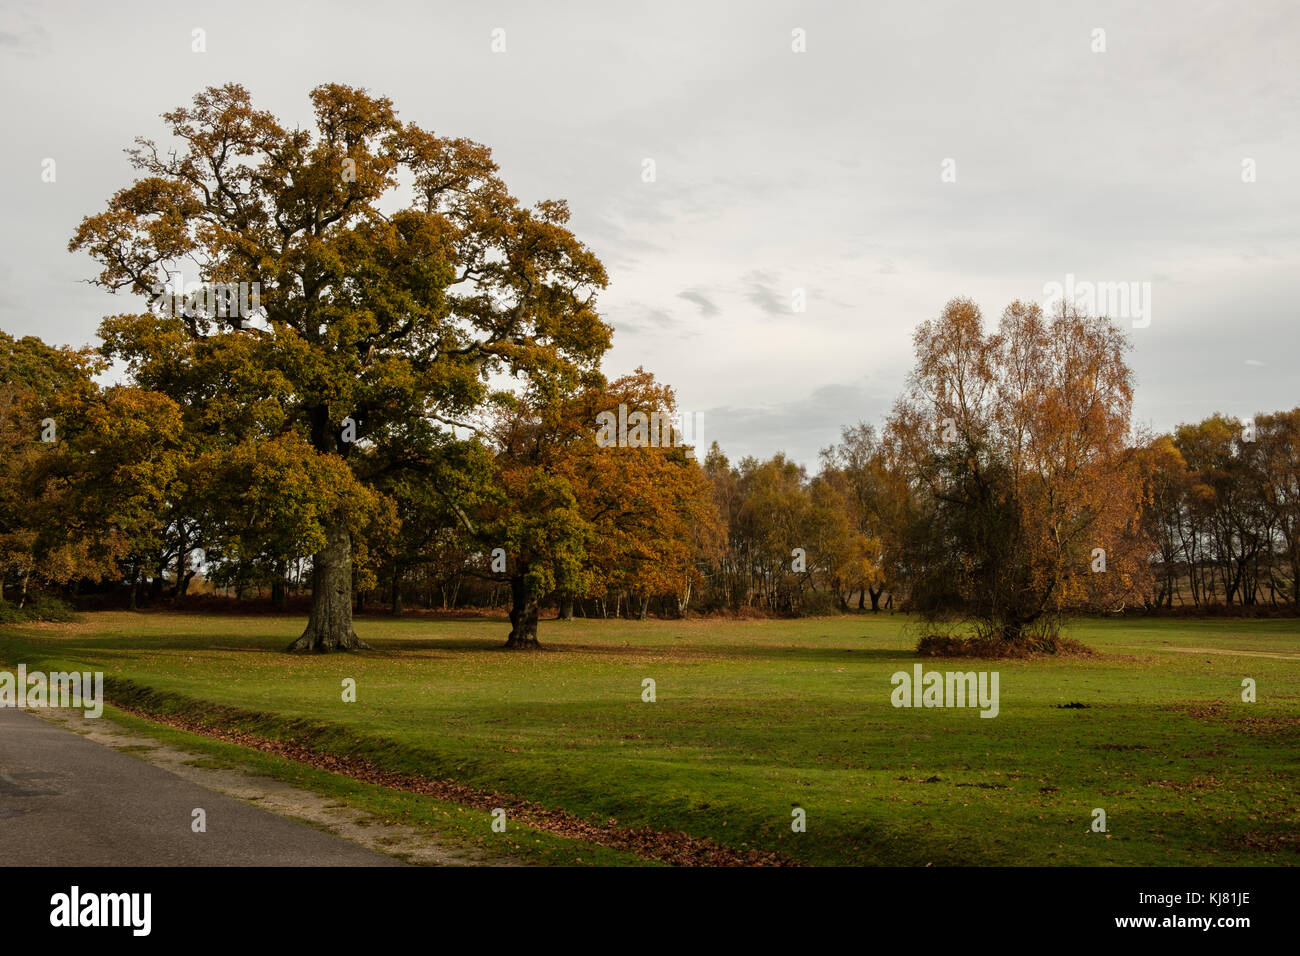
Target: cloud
{"type": "Point", "coordinates": [638, 318]}
{"type": "Point", "coordinates": [25, 39]}
{"type": "Point", "coordinates": [761, 292]}
{"type": "Point", "coordinates": [700, 299]}
{"type": "Point", "coordinates": [774, 172]}
{"type": "Point", "coordinates": [800, 428]}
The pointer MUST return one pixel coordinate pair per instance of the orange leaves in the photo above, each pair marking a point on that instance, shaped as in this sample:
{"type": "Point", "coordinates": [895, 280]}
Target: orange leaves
{"type": "Point", "coordinates": [1033, 473]}
{"type": "Point", "coordinates": [644, 514]}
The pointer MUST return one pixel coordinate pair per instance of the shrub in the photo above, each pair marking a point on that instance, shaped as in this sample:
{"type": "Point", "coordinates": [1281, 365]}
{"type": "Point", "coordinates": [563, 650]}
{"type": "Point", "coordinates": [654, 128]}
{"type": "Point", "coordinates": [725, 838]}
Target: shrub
{"type": "Point", "coordinates": [39, 607]}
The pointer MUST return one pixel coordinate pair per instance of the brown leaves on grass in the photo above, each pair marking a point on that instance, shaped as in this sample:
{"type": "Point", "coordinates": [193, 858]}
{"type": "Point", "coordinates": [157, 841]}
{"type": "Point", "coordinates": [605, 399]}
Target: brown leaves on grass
{"type": "Point", "coordinates": [672, 847]}
{"type": "Point", "coordinates": [1217, 711]}
{"type": "Point", "coordinates": [1272, 841]}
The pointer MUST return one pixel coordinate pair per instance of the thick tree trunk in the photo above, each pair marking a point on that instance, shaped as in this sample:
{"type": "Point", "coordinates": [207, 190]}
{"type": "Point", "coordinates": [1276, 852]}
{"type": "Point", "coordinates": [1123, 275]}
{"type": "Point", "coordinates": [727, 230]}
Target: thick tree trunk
{"type": "Point", "coordinates": [330, 626]}
{"type": "Point", "coordinates": [875, 598]}
{"type": "Point", "coordinates": [523, 615]}
{"type": "Point", "coordinates": [566, 607]}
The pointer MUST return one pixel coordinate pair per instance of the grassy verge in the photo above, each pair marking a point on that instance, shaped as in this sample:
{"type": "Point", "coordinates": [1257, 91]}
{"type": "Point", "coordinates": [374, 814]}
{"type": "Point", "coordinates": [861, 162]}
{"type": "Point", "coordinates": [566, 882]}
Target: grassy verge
{"type": "Point", "coordinates": [453, 824]}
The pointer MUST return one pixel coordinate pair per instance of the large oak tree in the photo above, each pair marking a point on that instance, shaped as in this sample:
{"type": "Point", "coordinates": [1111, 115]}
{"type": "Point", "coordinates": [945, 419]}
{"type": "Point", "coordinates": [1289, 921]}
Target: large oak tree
{"type": "Point", "coordinates": [397, 275]}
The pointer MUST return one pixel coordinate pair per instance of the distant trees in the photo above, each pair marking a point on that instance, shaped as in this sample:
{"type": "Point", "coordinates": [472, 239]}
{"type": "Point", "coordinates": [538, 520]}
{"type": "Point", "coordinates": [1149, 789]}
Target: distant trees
{"type": "Point", "coordinates": [1225, 512]}
{"type": "Point", "coordinates": [434, 481]}
{"type": "Point", "coordinates": [793, 544]}
{"type": "Point", "coordinates": [873, 497]}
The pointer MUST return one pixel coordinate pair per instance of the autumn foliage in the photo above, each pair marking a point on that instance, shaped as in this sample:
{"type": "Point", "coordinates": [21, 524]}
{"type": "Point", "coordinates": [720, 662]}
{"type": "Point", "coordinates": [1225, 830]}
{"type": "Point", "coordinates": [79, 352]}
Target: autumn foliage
{"type": "Point", "coordinates": [411, 415]}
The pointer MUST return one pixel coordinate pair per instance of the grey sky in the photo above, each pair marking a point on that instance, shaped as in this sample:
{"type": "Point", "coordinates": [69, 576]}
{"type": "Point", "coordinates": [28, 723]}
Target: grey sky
{"type": "Point", "coordinates": [775, 171]}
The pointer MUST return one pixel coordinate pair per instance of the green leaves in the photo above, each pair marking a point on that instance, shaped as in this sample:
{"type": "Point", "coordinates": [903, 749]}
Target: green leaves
{"type": "Point", "coordinates": [385, 307]}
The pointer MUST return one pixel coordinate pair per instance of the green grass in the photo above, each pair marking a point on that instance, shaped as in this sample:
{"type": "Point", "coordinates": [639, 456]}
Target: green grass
{"type": "Point", "coordinates": [755, 718]}
{"type": "Point", "coordinates": [454, 825]}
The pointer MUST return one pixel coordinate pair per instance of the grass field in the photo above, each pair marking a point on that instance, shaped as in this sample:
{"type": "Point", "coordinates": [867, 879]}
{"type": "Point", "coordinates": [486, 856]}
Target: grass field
{"type": "Point", "coordinates": [755, 718]}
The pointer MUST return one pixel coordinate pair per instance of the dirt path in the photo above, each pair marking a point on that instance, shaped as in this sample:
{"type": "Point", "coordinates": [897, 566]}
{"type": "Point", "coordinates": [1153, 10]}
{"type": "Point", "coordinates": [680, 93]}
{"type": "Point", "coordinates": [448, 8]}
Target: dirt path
{"type": "Point", "coordinates": [1221, 652]}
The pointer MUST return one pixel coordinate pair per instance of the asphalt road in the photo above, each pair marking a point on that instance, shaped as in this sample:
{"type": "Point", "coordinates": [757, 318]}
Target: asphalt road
{"type": "Point", "coordinates": [65, 801]}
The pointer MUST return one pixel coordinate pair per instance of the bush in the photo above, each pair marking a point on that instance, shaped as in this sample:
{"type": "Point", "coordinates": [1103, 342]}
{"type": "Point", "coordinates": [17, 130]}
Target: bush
{"type": "Point", "coordinates": [39, 607]}
{"type": "Point", "coordinates": [819, 604]}
{"type": "Point", "coordinates": [957, 645]}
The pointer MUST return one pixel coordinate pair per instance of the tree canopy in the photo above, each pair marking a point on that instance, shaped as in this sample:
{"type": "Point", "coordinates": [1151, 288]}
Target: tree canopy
{"type": "Point", "coordinates": [393, 275]}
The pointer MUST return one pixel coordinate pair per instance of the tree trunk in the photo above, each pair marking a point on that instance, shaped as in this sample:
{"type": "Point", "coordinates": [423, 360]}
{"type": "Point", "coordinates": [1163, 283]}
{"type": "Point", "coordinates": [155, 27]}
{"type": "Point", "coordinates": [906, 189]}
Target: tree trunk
{"type": "Point", "coordinates": [397, 593]}
{"type": "Point", "coordinates": [523, 615]}
{"type": "Point", "coordinates": [330, 626]}
{"type": "Point", "coordinates": [279, 590]}
{"type": "Point", "coordinates": [566, 607]}
{"type": "Point", "coordinates": [182, 561]}
{"type": "Point", "coordinates": [875, 598]}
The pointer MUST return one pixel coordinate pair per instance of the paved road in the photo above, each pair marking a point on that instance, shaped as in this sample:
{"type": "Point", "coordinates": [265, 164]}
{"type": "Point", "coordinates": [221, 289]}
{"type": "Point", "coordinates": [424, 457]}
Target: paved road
{"type": "Point", "coordinates": [65, 801]}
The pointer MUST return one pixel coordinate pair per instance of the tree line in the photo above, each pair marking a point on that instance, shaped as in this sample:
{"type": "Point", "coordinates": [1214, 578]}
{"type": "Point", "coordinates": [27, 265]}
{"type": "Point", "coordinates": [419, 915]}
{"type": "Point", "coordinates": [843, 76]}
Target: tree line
{"type": "Point", "coordinates": [413, 415]}
{"type": "Point", "coordinates": [102, 490]}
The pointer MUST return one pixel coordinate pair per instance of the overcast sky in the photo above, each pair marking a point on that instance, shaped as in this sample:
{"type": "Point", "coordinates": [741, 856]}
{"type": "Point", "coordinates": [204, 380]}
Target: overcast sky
{"type": "Point", "coordinates": [775, 170]}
